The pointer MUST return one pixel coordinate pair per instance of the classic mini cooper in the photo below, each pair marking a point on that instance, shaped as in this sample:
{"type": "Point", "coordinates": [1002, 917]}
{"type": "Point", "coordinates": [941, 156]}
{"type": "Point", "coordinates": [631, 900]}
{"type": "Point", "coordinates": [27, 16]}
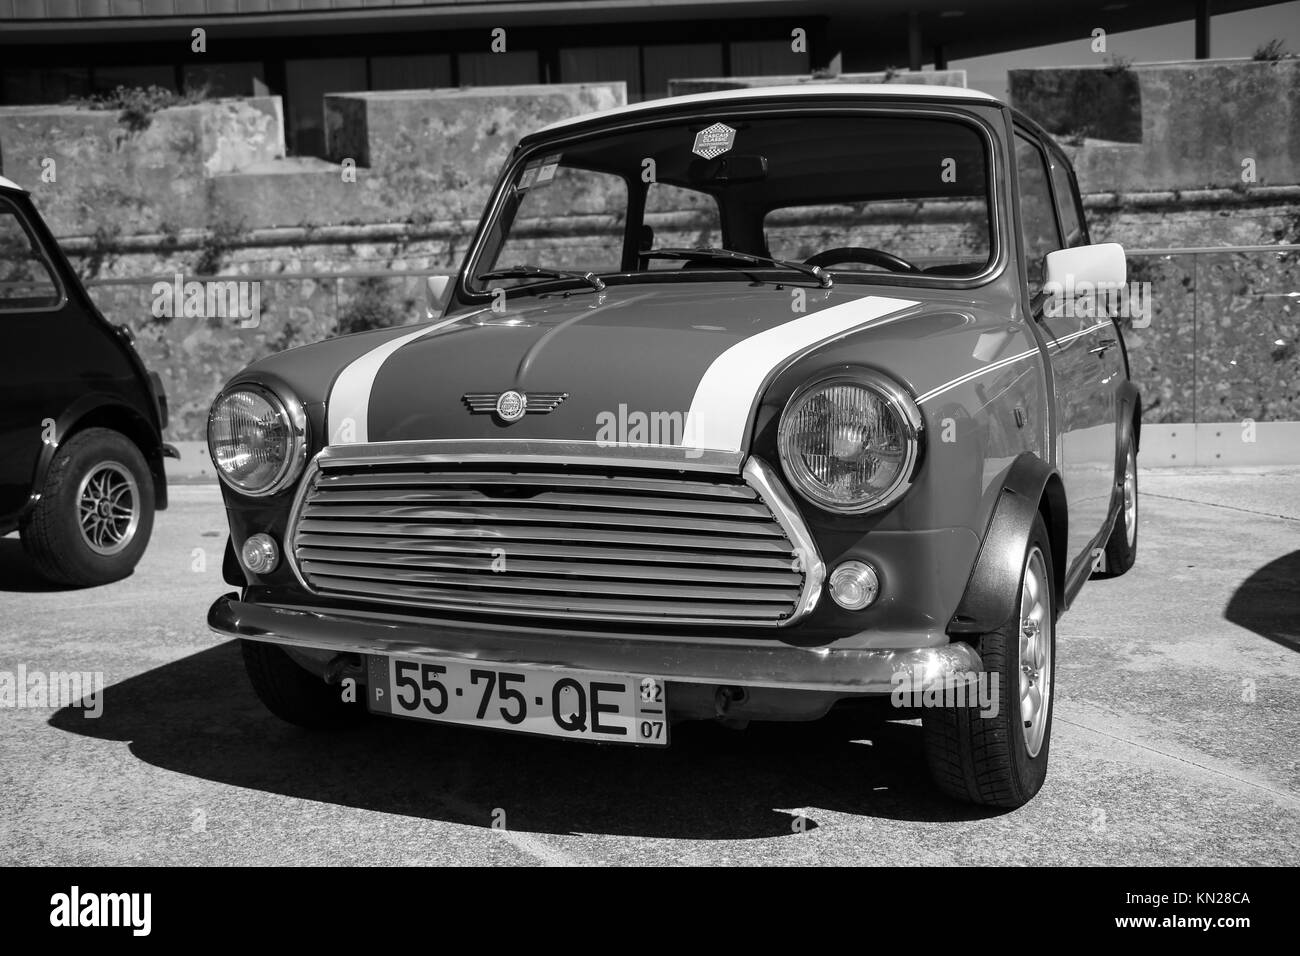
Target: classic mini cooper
{"type": "Point", "coordinates": [742, 406]}
{"type": "Point", "coordinates": [81, 418]}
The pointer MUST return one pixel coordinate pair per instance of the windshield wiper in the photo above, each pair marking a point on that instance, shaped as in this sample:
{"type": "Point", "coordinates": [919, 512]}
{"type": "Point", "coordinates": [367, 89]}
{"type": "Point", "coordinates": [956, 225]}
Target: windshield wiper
{"type": "Point", "coordinates": [530, 272]}
{"type": "Point", "coordinates": [699, 255]}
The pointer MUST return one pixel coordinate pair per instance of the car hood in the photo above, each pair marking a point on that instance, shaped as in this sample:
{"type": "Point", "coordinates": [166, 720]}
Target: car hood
{"type": "Point", "coordinates": [680, 365]}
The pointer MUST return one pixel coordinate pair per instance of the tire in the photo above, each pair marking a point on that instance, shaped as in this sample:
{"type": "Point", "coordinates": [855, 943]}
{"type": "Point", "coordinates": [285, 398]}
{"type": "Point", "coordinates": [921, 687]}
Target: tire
{"type": "Point", "coordinates": [98, 468]}
{"type": "Point", "coordinates": [992, 760]}
{"type": "Point", "coordinates": [294, 694]}
{"type": "Point", "coordinates": [1121, 546]}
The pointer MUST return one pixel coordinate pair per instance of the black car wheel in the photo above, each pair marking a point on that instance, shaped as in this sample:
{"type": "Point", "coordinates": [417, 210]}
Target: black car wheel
{"type": "Point", "coordinates": [1121, 546]}
{"type": "Point", "coordinates": [95, 514]}
{"type": "Point", "coordinates": [1000, 759]}
{"type": "Point", "coordinates": [294, 694]}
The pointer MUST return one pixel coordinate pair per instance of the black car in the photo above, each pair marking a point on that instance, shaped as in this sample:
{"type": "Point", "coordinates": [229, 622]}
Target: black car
{"type": "Point", "coordinates": [81, 419]}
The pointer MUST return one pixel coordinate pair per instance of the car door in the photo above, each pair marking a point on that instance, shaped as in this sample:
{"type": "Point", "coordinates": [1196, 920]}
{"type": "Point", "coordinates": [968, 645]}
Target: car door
{"type": "Point", "coordinates": [1108, 369]}
{"type": "Point", "coordinates": [32, 301]}
{"type": "Point", "coordinates": [1086, 460]}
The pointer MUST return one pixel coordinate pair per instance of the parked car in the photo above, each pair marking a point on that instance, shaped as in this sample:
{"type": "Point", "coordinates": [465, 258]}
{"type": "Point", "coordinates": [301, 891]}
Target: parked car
{"type": "Point", "coordinates": [742, 406]}
{"type": "Point", "coordinates": [81, 418]}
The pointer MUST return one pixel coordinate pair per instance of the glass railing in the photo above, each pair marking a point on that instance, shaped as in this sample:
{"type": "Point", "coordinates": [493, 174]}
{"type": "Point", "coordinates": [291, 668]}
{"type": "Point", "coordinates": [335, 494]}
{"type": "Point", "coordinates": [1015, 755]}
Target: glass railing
{"type": "Point", "coordinates": [1223, 339]}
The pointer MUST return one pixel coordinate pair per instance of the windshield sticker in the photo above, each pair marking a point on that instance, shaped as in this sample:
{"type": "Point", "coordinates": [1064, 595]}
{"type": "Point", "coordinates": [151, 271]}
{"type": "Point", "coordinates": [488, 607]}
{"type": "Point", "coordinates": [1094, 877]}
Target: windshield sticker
{"type": "Point", "coordinates": [547, 172]}
{"type": "Point", "coordinates": [528, 177]}
{"type": "Point", "coordinates": [714, 141]}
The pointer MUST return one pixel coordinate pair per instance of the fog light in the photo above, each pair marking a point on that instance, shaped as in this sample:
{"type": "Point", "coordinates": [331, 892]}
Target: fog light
{"type": "Point", "coordinates": [854, 585]}
{"type": "Point", "coordinates": [260, 554]}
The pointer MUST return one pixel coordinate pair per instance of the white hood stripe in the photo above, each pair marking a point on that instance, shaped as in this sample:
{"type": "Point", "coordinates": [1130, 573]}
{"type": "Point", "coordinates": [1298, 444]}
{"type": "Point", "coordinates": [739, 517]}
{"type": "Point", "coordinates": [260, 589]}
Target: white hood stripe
{"type": "Point", "coordinates": [730, 387]}
{"type": "Point", "coordinates": [349, 401]}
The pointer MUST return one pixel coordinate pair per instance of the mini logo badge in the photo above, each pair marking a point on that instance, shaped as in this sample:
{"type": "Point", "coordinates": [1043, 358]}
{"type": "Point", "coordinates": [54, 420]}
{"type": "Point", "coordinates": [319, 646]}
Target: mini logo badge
{"type": "Point", "coordinates": [511, 406]}
{"type": "Point", "coordinates": [714, 141]}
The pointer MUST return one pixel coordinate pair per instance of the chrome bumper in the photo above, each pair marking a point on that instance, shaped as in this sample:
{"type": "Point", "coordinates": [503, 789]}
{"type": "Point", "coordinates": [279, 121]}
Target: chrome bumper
{"type": "Point", "coordinates": [767, 663]}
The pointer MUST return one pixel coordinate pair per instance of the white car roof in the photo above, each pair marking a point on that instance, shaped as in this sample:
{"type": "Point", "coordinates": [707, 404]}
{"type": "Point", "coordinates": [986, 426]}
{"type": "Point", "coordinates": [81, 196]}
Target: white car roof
{"type": "Point", "coordinates": [779, 92]}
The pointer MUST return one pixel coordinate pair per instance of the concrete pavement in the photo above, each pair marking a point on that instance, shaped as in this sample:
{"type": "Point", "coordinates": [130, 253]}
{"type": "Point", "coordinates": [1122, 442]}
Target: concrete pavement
{"type": "Point", "coordinates": [1174, 741]}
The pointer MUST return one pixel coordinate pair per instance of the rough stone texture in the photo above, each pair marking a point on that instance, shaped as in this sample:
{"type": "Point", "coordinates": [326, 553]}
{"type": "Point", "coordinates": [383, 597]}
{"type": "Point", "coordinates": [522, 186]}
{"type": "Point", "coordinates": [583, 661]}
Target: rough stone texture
{"type": "Point", "coordinates": [434, 154]}
{"type": "Point", "coordinates": [712, 84]}
{"type": "Point", "coordinates": [1199, 121]}
{"type": "Point", "coordinates": [114, 180]}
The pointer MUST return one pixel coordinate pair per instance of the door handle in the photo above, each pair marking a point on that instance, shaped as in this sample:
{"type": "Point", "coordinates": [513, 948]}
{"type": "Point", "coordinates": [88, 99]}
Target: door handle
{"type": "Point", "coordinates": [1103, 346]}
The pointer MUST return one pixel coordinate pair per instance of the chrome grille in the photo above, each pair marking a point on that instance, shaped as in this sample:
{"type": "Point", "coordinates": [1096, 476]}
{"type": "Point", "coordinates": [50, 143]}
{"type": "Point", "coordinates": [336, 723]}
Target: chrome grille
{"type": "Point", "coordinates": [604, 544]}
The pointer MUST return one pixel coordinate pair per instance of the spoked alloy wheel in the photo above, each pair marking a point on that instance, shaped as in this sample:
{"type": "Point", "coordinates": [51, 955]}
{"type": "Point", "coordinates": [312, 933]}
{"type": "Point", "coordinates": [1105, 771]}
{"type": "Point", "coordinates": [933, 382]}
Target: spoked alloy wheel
{"type": "Point", "coordinates": [1036, 640]}
{"type": "Point", "coordinates": [108, 508]}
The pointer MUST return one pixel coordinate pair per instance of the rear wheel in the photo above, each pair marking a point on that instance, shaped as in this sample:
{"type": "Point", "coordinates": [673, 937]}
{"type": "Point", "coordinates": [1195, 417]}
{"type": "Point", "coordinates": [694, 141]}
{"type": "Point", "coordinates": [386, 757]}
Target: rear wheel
{"type": "Point", "coordinates": [1000, 758]}
{"type": "Point", "coordinates": [1121, 546]}
{"type": "Point", "coordinates": [95, 514]}
{"type": "Point", "coordinates": [293, 693]}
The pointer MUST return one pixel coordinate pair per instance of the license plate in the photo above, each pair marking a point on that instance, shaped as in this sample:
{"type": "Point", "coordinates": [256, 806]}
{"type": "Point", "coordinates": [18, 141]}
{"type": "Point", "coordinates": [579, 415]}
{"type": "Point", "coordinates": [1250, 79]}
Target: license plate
{"type": "Point", "coordinates": [613, 708]}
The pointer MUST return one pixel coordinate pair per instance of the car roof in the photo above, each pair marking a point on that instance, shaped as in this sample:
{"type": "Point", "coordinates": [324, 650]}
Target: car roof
{"type": "Point", "coordinates": [10, 184]}
{"type": "Point", "coordinates": [850, 90]}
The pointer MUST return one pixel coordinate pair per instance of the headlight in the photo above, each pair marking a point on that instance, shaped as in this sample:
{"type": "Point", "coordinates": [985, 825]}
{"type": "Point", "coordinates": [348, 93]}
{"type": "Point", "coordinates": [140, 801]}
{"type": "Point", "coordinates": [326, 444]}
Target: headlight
{"type": "Point", "coordinates": [257, 439]}
{"type": "Point", "coordinates": [850, 443]}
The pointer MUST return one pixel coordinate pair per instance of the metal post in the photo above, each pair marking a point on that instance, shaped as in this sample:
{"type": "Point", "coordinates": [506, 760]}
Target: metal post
{"type": "Point", "coordinates": [914, 41]}
{"type": "Point", "coordinates": [1202, 29]}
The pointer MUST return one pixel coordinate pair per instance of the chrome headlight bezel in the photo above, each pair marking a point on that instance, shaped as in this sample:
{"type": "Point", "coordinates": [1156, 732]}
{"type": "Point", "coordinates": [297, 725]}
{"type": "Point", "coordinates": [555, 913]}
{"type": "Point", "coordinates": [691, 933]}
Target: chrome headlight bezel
{"type": "Point", "coordinates": [291, 413]}
{"type": "Point", "coordinates": [901, 405]}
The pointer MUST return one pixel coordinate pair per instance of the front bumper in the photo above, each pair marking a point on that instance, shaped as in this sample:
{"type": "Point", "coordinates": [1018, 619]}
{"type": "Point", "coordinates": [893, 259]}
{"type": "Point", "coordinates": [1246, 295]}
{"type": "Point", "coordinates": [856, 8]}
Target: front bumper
{"type": "Point", "coordinates": [718, 661]}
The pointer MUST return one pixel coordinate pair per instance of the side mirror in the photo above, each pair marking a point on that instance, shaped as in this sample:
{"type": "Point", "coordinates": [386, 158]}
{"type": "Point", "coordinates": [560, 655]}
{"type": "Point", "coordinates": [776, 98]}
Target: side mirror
{"type": "Point", "coordinates": [438, 289]}
{"type": "Point", "coordinates": [1103, 265]}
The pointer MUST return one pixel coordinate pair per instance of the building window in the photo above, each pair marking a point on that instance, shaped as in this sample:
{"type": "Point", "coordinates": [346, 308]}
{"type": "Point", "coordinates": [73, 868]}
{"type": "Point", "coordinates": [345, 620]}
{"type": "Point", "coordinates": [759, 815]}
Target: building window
{"type": "Point", "coordinates": [602, 64]}
{"type": "Point", "coordinates": [425, 72]}
{"type": "Point", "coordinates": [679, 61]}
{"type": "Point", "coordinates": [224, 79]}
{"type": "Point", "coordinates": [306, 83]}
{"type": "Point", "coordinates": [766, 58]}
{"type": "Point", "coordinates": [49, 84]}
{"type": "Point", "coordinates": [105, 79]}
{"type": "Point", "coordinates": [499, 69]}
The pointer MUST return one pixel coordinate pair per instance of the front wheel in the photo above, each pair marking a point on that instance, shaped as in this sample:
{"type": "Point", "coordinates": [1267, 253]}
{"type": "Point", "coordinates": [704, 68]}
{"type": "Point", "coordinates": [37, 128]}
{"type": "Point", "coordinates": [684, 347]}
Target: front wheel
{"type": "Point", "coordinates": [95, 513]}
{"type": "Point", "coordinates": [997, 756]}
{"type": "Point", "coordinates": [292, 693]}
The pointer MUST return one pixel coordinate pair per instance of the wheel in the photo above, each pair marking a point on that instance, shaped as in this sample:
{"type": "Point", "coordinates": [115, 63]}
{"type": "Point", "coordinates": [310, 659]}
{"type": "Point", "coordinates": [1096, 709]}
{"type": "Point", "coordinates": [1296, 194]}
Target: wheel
{"type": "Point", "coordinates": [1121, 546]}
{"type": "Point", "coordinates": [293, 693]}
{"type": "Point", "coordinates": [1000, 760]}
{"type": "Point", "coordinates": [95, 513]}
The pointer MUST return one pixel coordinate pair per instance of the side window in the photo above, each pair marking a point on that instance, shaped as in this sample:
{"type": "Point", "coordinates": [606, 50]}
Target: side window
{"type": "Point", "coordinates": [1037, 211]}
{"type": "Point", "coordinates": [26, 281]}
{"type": "Point", "coordinates": [1068, 203]}
{"type": "Point", "coordinates": [675, 216]}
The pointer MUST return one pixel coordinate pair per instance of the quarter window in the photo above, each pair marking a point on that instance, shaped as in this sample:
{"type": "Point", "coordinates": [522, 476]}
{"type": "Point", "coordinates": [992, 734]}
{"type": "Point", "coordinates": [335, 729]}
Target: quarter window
{"type": "Point", "coordinates": [1068, 203]}
{"type": "Point", "coordinates": [26, 281]}
{"type": "Point", "coordinates": [1039, 231]}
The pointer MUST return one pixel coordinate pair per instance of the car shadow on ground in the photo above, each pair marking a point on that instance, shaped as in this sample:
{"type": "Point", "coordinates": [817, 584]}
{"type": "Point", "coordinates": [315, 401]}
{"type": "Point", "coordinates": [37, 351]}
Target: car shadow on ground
{"type": "Point", "coordinates": [1268, 602]}
{"type": "Point", "coordinates": [198, 716]}
{"type": "Point", "coordinates": [16, 573]}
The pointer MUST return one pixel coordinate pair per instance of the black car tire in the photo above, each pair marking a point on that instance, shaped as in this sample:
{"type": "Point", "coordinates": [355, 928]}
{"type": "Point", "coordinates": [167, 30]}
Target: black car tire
{"type": "Point", "coordinates": [1121, 546]}
{"type": "Point", "coordinates": [986, 759]}
{"type": "Point", "coordinates": [52, 534]}
{"type": "Point", "coordinates": [294, 694]}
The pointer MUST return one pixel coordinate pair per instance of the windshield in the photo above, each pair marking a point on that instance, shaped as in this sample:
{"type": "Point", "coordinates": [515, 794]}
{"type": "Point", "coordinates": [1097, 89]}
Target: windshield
{"type": "Point", "coordinates": [860, 195]}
